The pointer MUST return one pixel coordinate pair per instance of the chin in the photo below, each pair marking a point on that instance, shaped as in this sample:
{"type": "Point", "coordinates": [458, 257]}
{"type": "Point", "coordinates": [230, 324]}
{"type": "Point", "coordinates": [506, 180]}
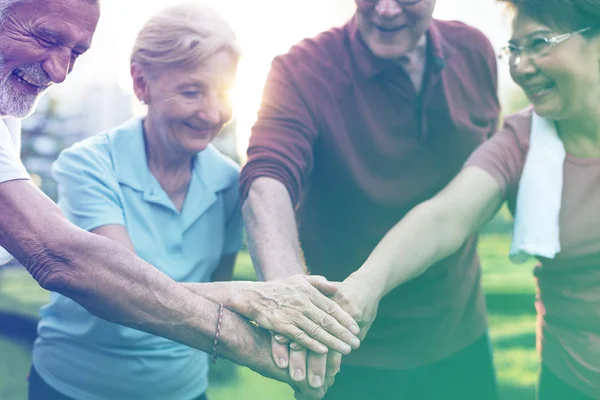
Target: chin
{"type": "Point", "coordinates": [197, 146]}
{"type": "Point", "coordinates": [548, 111]}
{"type": "Point", "coordinates": [388, 52]}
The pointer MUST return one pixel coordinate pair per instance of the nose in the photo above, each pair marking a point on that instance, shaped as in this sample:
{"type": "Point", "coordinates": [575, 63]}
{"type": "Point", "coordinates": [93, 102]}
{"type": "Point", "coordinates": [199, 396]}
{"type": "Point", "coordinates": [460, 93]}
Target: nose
{"type": "Point", "coordinates": [211, 110]}
{"type": "Point", "coordinates": [58, 65]}
{"type": "Point", "coordinates": [522, 67]}
{"type": "Point", "coordinates": [388, 8]}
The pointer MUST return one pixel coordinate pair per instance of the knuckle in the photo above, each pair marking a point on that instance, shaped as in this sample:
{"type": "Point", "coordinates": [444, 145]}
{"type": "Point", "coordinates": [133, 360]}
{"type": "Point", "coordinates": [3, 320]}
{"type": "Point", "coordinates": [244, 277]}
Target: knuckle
{"type": "Point", "coordinates": [314, 330]}
{"type": "Point", "coordinates": [332, 342]}
{"type": "Point", "coordinates": [299, 336]}
{"type": "Point", "coordinates": [328, 321]}
{"type": "Point", "coordinates": [330, 307]}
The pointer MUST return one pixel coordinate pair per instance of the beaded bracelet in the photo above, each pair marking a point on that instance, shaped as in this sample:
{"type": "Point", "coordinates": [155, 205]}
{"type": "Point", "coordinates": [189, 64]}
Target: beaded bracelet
{"type": "Point", "coordinates": [217, 332]}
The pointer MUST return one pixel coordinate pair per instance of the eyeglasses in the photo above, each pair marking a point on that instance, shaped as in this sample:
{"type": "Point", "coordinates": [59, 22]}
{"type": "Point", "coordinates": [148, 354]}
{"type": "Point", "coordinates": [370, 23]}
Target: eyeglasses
{"type": "Point", "coordinates": [535, 47]}
{"type": "Point", "coordinates": [401, 2]}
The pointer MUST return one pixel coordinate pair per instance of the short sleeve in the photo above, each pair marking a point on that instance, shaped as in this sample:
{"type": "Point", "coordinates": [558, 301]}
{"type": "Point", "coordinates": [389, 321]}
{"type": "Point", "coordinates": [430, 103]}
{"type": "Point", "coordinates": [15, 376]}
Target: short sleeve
{"type": "Point", "coordinates": [234, 224]}
{"type": "Point", "coordinates": [88, 189]}
{"type": "Point", "coordinates": [11, 167]}
{"type": "Point", "coordinates": [503, 156]}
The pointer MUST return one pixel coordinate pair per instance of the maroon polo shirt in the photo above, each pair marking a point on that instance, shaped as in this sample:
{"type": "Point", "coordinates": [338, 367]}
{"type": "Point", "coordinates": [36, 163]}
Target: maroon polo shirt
{"type": "Point", "coordinates": [357, 148]}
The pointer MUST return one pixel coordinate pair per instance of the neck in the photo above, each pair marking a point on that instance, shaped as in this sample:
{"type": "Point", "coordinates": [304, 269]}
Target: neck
{"type": "Point", "coordinates": [161, 155]}
{"type": "Point", "coordinates": [581, 136]}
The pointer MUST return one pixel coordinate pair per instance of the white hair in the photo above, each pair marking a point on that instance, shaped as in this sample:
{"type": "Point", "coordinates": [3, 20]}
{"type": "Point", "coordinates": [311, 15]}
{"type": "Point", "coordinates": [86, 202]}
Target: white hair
{"type": "Point", "coordinates": [5, 6]}
{"type": "Point", "coordinates": [183, 35]}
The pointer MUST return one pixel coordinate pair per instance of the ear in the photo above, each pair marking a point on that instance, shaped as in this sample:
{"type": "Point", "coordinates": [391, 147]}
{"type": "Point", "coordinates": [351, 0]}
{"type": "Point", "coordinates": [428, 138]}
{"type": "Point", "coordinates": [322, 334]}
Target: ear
{"type": "Point", "coordinates": [140, 83]}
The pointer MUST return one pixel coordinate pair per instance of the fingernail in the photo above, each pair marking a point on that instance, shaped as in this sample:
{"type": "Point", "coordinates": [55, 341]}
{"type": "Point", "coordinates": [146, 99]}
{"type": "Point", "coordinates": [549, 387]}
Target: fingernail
{"type": "Point", "coordinates": [355, 343]}
{"type": "Point", "coordinates": [323, 349]}
{"type": "Point", "coordinates": [283, 362]}
{"type": "Point", "coordinates": [316, 381]}
{"type": "Point", "coordinates": [347, 349]}
{"type": "Point", "coordinates": [279, 338]}
{"type": "Point", "coordinates": [355, 329]}
{"type": "Point", "coordinates": [298, 374]}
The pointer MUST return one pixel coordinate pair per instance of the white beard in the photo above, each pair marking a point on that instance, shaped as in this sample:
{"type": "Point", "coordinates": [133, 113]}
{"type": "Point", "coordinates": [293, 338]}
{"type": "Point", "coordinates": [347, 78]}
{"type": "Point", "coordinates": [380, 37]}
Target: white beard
{"type": "Point", "coordinates": [14, 102]}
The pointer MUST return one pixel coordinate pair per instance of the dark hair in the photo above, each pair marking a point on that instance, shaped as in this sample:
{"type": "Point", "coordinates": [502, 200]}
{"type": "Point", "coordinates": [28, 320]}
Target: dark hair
{"type": "Point", "coordinates": [564, 15]}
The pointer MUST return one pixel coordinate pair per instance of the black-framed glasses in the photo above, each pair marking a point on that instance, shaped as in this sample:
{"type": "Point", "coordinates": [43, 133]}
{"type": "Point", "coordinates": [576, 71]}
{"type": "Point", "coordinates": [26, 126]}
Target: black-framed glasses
{"type": "Point", "coordinates": [535, 47]}
{"type": "Point", "coordinates": [401, 2]}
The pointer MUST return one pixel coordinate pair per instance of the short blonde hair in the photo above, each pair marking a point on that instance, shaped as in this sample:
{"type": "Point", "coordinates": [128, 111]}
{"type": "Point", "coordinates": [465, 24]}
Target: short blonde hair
{"type": "Point", "coordinates": [182, 36]}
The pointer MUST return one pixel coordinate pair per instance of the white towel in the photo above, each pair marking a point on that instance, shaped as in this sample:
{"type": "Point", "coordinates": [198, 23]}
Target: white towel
{"type": "Point", "coordinates": [536, 228]}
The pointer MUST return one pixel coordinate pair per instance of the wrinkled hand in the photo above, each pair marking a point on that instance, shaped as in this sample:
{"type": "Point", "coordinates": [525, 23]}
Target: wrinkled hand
{"type": "Point", "coordinates": [294, 308]}
{"type": "Point", "coordinates": [319, 369]}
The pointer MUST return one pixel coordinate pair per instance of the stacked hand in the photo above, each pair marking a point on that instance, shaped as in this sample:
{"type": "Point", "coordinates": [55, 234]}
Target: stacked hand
{"type": "Point", "coordinates": [296, 308]}
{"type": "Point", "coordinates": [319, 369]}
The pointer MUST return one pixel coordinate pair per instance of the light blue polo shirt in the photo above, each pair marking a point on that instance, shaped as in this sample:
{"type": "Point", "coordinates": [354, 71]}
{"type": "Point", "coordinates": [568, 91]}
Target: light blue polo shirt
{"type": "Point", "coordinates": [105, 180]}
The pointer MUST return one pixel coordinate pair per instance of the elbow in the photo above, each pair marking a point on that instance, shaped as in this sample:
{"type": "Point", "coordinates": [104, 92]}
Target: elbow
{"type": "Point", "coordinates": [447, 227]}
{"type": "Point", "coordinates": [49, 264]}
{"type": "Point", "coordinates": [50, 270]}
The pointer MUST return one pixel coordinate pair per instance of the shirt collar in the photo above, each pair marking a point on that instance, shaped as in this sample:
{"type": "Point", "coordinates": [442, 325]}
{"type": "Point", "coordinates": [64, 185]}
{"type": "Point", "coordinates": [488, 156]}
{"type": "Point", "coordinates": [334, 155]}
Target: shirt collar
{"type": "Point", "coordinates": [439, 50]}
{"type": "Point", "coordinates": [130, 163]}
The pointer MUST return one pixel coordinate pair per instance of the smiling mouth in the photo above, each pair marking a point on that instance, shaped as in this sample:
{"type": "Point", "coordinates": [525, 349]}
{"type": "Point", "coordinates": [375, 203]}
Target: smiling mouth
{"type": "Point", "coordinates": [389, 29]}
{"type": "Point", "coordinates": [536, 91]}
{"type": "Point", "coordinates": [204, 130]}
{"type": "Point", "coordinates": [23, 78]}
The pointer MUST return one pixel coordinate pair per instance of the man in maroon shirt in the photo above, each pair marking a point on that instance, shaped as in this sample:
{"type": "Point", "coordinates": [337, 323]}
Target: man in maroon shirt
{"type": "Point", "coordinates": [357, 126]}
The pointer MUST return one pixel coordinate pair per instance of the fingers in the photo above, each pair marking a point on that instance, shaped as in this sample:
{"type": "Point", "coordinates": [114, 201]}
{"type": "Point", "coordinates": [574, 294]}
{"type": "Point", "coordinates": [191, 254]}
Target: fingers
{"type": "Point", "coordinates": [280, 350]}
{"type": "Point", "coordinates": [334, 362]}
{"type": "Point", "coordinates": [316, 365]}
{"type": "Point", "coordinates": [323, 285]}
{"type": "Point", "coordinates": [298, 335]}
{"type": "Point", "coordinates": [342, 323]}
{"type": "Point", "coordinates": [325, 329]}
{"type": "Point", "coordinates": [297, 362]}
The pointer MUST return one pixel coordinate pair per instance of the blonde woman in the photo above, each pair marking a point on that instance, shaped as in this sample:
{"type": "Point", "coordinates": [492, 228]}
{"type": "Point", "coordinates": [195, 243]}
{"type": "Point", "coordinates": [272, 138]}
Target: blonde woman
{"type": "Point", "coordinates": [158, 187]}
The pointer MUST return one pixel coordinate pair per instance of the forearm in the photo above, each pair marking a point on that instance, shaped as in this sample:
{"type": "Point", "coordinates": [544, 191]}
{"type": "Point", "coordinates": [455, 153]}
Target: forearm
{"type": "Point", "coordinates": [431, 231]}
{"type": "Point", "coordinates": [271, 229]}
{"type": "Point", "coordinates": [234, 295]}
{"type": "Point", "coordinates": [111, 282]}
{"type": "Point", "coordinates": [423, 237]}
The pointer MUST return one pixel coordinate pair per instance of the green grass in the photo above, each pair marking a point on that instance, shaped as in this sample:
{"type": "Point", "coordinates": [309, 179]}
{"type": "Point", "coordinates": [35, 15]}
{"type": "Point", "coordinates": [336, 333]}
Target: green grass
{"type": "Point", "coordinates": [509, 292]}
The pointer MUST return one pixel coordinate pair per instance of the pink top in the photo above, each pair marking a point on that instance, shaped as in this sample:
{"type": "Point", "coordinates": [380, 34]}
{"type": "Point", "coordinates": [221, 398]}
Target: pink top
{"type": "Point", "coordinates": [568, 286]}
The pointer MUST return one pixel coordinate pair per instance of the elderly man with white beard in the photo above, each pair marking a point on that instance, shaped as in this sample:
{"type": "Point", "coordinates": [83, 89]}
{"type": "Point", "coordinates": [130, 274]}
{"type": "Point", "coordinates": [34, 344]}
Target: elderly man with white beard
{"type": "Point", "coordinates": [40, 41]}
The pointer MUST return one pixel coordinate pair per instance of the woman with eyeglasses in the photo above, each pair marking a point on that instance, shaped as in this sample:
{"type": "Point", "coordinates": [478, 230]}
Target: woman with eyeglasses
{"type": "Point", "coordinates": [545, 162]}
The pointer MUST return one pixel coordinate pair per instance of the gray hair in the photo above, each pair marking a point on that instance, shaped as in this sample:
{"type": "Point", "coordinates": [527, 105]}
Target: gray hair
{"type": "Point", "coordinates": [6, 5]}
{"type": "Point", "coordinates": [184, 35]}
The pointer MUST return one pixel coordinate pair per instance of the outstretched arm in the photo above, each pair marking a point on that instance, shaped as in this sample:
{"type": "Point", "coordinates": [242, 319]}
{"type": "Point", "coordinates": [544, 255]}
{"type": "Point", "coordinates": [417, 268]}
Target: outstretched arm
{"type": "Point", "coordinates": [430, 232]}
{"type": "Point", "coordinates": [114, 284]}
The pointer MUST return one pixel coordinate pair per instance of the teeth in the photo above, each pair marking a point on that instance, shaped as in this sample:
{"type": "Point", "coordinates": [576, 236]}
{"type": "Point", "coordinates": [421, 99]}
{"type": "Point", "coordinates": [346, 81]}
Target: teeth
{"type": "Point", "coordinates": [21, 77]}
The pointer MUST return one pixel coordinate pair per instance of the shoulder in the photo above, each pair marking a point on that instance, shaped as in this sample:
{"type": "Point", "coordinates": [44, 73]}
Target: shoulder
{"type": "Point", "coordinates": [91, 153]}
{"type": "Point", "coordinates": [464, 37]}
{"type": "Point", "coordinates": [221, 171]}
{"type": "Point", "coordinates": [316, 56]}
{"type": "Point", "coordinates": [518, 125]}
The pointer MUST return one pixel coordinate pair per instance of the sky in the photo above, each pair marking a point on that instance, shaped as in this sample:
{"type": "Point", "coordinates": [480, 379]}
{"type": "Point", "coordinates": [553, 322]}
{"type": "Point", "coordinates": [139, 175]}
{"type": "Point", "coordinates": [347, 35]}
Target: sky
{"type": "Point", "coordinates": [264, 28]}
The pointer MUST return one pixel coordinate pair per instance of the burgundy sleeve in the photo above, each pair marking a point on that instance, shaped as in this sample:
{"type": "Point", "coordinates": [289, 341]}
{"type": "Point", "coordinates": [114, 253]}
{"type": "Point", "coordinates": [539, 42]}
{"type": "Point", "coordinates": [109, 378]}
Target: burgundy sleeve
{"type": "Point", "coordinates": [281, 143]}
{"type": "Point", "coordinates": [503, 156]}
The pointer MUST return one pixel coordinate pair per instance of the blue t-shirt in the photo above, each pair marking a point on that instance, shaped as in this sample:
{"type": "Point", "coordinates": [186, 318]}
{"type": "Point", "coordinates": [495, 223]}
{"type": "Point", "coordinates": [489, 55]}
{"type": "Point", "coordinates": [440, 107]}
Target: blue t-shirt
{"type": "Point", "coordinates": [105, 180]}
